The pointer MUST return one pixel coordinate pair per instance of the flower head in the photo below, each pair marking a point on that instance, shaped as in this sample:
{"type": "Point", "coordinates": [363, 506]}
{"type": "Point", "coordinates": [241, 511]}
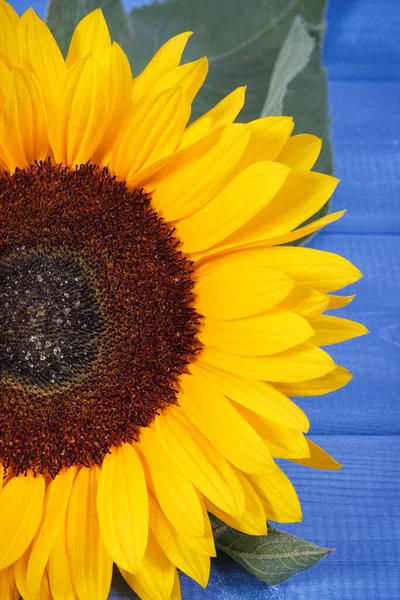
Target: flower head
{"type": "Point", "coordinates": [152, 323]}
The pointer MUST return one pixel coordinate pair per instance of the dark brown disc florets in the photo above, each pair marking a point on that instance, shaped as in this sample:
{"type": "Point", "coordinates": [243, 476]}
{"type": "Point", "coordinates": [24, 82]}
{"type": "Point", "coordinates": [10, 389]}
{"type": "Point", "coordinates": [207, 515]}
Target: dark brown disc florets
{"type": "Point", "coordinates": [96, 316]}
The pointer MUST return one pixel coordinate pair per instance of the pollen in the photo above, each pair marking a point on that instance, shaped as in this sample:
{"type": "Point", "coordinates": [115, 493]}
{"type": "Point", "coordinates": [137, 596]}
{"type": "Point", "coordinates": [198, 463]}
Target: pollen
{"type": "Point", "coordinates": [96, 316]}
{"type": "Point", "coordinates": [51, 324]}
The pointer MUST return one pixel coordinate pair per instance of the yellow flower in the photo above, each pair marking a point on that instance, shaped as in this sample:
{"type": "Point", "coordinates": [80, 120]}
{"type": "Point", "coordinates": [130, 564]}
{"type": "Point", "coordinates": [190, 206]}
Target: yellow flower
{"type": "Point", "coordinates": [152, 323]}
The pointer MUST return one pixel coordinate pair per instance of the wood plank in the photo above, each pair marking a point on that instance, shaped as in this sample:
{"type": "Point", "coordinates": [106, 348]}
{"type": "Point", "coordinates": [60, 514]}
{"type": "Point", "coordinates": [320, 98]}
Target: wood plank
{"type": "Point", "coordinates": [362, 39]}
{"type": "Point", "coordinates": [366, 141]}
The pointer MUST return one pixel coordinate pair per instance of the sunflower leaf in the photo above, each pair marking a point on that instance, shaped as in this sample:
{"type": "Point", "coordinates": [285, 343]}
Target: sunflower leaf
{"type": "Point", "coordinates": [272, 558]}
{"type": "Point", "coordinates": [292, 58]}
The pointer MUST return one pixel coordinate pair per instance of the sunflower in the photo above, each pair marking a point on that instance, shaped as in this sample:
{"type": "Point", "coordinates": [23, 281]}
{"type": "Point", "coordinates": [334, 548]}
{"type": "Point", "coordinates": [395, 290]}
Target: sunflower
{"type": "Point", "coordinates": [153, 324]}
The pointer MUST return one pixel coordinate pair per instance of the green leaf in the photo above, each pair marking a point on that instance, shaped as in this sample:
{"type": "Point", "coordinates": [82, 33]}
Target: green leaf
{"type": "Point", "coordinates": [307, 100]}
{"type": "Point", "coordinates": [307, 90]}
{"type": "Point", "coordinates": [63, 16]}
{"type": "Point", "coordinates": [272, 558]}
{"type": "Point", "coordinates": [292, 58]}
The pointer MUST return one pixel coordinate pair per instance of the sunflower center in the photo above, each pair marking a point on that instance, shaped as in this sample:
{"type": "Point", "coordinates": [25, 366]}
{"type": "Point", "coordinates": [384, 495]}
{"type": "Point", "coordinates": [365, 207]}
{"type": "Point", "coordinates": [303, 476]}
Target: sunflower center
{"type": "Point", "coordinates": [96, 316]}
{"type": "Point", "coordinates": [50, 320]}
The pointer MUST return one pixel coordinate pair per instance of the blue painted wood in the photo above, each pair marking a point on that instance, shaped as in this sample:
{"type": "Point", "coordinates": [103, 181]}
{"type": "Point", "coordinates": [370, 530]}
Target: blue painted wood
{"type": "Point", "coordinates": [366, 140]}
{"type": "Point", "coordinates": [362, 39]}
{"type": "Point", "coordinates": [38, 6]}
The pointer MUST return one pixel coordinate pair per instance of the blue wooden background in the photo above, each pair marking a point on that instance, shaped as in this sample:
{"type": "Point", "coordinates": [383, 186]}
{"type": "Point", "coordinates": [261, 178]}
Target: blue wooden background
{"type": "Point", "coordinates": [355, 510]}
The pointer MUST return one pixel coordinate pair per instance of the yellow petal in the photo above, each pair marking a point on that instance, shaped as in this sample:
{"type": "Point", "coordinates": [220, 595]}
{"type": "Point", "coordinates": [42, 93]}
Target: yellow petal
{"type": "Point", "coordinates": [122, 507]}
{"type": "Point", "coordinates": [2, 475]}
{"type": "Point", "coordinates": [195, 132]}
{"type": "Point", "coordinates": [268, 137]}
{"type": "Point", "coordinates": [5, 80]}
{"type": "Point", "coordinates": [300, 151]}
{"type": "Point", "coordinates": [272, 332]}
{"type": "Point", "coordinates": [219, 422]}
{"type": "Point", "coordinates": [90, 564]}
{"type": "Point", "coordinates": [235, 205]}
{"type": "Point", "coordinates": [139, 180]}
{"type": "Point", "coordinates": [333, 330]}
{"type": "Point", "coordinates": [300, 363]}
{"type": "Point", "coordinates": [203, 544]}
{"type": "Point", "coordinates": [330, 382]}
{"type": "Point", "coordinates": [8, 589]}
{"type": "Point", "coordinates": [258, 396]}
{"type": "Point", "coordinates": [223, 113]}
{"type": "Point", "coordinates": [20, 571]}
{"type": "Point", "coordinates": [90, 35]}
{"type": "Point", "coordinates": [197, 175]}
{"type": "Point", "coordinates": [166, 59]}
{"type": "Point", "coordinates": [231, 290]}
{"type": "Point", "coordinates": [9, 15]}
{"type": "Point", "coordinates": [21, 506]}
{"type": "Point", "coordinates": [196, 566]}
{"type": "Point", "coordinates": [228, 108]}
{"type": "Point", "coordinates": [7, 476]}
{"type": "Point", "coordinates": [58, 568]}
{"type": "Point", "coordinates": [40, 54]}
{"type": "Point", "coordinates": [318, 459]}
{"type": "Point", "coordinates": [189, 76]}
{"type": "Point", "coordinates": [176, 494]}
{"type": "Point", "coordinates": [241, 260]}
{"type": "Point", "coordinates": [305, 301]}
{"type": "Point", "coordinates": [155, 578]}
{"type": "Point", "coordinates": [338, 301]}
{"type": "Point", "coordinates": [253, 520]}
{"type": "Point", "coordinates": [266, 242]}
{"type": "Point", "coordinates": [23, 125]}
{"type": "Point", "coordinates": [301, 232]}
{"type": "Point", "coordinates": [282, 442]}
{"type": "Point", "coordinates": [176, 592]}
{"type": "Point", "coordinates": [79, 120]}
{"type": "Point", "coordinates": [154, 132]}
{"type": "Point", "coordinates": [8, 35]}
{"type": "Point", "coordinates": [301, 196]}
{"type": "Point", "coordinates": [199, 461]}
{"type": "Point", "coordinates": [278, 496]}
{"type": "Point", "coordinates": [198, 545]}
{"type": "Point", "coordinates": [118, 79]}
{"type": "Point", "coordinates": [55, 506]}
{"type": "Point", "coordinates": [323, 271]}
{"type": "Point", "coordinates": [3, 161]}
